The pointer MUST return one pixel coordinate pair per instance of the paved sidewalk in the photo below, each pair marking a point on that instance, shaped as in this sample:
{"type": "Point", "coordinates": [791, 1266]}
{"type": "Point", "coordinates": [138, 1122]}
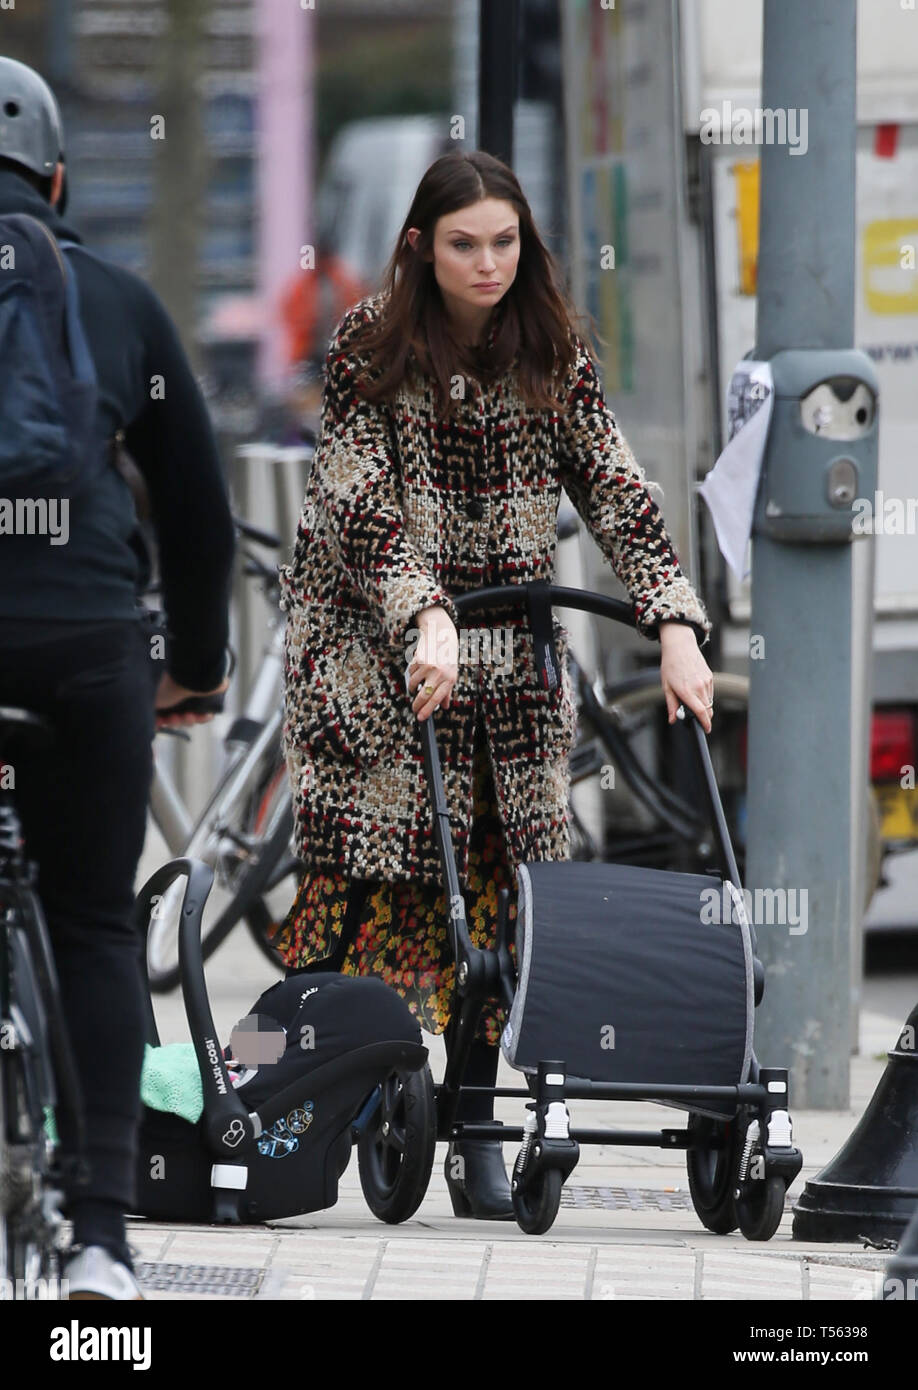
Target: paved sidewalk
{"type": "Point", "coordinates": [626, 1229]}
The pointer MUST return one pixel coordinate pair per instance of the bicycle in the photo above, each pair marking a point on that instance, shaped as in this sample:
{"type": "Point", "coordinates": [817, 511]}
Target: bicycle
{"type": "Point", "coordinates": [652, 796]}
{"type": "Point", "coordinates": [244, 831]}
{"type": "Point", "coordinates": [651, 791]}
{"type": "Point", "coordinates": [38, 1080]}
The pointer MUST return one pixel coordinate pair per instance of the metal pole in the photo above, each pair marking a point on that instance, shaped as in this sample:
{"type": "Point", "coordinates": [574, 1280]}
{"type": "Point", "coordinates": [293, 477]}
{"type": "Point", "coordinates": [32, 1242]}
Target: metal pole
{"type": "Point", "coordinates": [800, 831]}
{"type": "Point", "coordinates": [180, 160]}
{"type": "Point", "coordinates": [286, 39]}
{"type": "Point", "coordinates": [498, 63]}
{"type": "Point", "coordinates": [59, 70]}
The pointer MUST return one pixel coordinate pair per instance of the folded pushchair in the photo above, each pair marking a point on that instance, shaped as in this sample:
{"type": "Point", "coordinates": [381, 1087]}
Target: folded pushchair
{"type": "Point", "coordinates": [270, 1136]}
{"type": "Point", "coordinates": [628, 983]}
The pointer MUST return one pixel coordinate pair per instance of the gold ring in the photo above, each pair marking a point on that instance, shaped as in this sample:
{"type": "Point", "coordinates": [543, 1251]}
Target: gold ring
{"type": "Point", "coordinates": [428, 690]}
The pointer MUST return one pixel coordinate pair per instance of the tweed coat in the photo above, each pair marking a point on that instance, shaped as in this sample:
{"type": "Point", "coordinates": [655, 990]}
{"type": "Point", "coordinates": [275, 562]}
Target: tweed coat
{"type": "Point", "coordinates": [401, 512]}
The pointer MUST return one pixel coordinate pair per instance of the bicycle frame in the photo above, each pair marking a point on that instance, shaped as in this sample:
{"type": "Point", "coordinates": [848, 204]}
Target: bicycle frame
{"type": "Point", "coordinates": [244, 746]}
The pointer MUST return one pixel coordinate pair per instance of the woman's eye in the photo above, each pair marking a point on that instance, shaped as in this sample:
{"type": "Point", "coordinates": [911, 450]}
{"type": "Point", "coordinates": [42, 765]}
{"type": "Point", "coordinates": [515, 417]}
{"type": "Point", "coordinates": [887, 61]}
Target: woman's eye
{"type": "Point", "coordinates": [504, 241]}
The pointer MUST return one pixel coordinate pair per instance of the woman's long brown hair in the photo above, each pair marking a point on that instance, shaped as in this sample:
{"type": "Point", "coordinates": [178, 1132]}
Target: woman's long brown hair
{"type": "Point", "coordinates": [534, 317]}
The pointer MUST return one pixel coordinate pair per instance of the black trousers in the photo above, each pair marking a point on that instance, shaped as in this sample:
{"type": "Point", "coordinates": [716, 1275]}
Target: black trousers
{"type": "Point", "coordinates": [83, 807]}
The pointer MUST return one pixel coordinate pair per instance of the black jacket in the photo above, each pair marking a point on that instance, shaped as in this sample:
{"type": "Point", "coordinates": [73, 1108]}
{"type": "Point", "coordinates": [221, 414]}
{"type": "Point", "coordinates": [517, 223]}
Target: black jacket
{"type": "Point", "coordinates": [167, 433]}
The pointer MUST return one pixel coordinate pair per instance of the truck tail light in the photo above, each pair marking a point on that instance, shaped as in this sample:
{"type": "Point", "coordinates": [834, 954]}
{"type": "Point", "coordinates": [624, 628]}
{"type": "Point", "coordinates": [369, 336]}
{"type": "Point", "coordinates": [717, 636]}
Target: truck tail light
{"type": "Point", "coordinates": [892, 744]}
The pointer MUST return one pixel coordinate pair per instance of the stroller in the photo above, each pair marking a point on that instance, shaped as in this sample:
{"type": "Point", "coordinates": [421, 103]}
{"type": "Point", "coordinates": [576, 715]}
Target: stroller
{"type": "Point", "coordinates": [271, 1136]}
{"type": "Point", "coordinates": [624, 987]}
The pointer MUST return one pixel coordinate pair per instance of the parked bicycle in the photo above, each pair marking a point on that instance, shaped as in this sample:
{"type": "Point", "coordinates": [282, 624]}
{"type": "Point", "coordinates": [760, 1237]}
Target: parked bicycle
{"type": "Point", "coordinates": [653, 805]}
{"type": "Point", "coordinates": [244, 831]}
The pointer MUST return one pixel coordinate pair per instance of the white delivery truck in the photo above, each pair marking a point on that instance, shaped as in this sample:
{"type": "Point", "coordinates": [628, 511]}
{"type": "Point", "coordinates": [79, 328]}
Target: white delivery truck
{"type": "Point", "coordinates": [663, 243]}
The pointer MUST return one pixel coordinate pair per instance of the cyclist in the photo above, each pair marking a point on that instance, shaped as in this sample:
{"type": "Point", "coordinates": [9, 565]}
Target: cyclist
{"type": "Point", "coordinates": [74, 648]}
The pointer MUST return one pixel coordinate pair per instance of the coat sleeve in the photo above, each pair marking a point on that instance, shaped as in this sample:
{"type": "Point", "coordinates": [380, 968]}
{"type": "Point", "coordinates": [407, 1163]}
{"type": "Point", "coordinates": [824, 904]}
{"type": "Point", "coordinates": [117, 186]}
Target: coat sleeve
{"type": "Point", "coordinates": [608, 488]}
{"type": "Point", "coordinates": [355, 478]}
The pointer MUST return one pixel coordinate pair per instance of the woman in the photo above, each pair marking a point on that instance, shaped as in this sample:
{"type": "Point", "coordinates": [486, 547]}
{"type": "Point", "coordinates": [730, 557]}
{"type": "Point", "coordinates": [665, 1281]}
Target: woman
{"type": "Point", "coordinates": [457, 402]}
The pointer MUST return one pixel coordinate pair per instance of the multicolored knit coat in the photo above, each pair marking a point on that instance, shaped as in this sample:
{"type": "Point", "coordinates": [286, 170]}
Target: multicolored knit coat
{"type": "Point", "coordinates": [402, 512]}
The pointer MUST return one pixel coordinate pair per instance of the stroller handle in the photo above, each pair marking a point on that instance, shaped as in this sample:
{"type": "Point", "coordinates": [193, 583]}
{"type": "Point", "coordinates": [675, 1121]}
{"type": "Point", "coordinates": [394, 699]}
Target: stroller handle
{"type": "Point", "coordinates": [539, 598]}
{"type": "Point", "coordinates": [556, 595]}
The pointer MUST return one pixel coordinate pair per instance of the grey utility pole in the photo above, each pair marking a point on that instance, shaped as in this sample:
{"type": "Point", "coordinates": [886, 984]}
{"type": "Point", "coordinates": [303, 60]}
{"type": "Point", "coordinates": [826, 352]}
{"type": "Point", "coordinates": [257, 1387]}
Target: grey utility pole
{"type": "Point", "coordinates": [820, 456]}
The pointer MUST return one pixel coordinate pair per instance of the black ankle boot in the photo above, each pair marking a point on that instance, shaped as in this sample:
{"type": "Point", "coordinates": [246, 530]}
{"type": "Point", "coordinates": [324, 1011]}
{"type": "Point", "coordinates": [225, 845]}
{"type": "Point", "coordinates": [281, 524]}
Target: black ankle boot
{"type": "Point", "coordinates": [479, 1187]}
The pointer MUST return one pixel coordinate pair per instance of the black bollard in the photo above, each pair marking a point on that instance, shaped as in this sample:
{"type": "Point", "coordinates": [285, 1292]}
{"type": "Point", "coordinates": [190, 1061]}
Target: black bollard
{"type": "Point", "coordinates": [870, 1188]}
{"type": "Point", "coordinates": [901, 1281]}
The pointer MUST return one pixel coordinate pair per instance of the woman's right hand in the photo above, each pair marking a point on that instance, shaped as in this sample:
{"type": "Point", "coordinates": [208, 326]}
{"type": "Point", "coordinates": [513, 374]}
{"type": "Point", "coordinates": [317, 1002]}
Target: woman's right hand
{"type": "Point", "coordinates": [435, 663]}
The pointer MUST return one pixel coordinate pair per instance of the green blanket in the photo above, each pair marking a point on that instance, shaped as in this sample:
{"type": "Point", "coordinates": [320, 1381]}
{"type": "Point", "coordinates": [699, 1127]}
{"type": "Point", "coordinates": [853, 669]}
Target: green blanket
{"type": "Point", "coordinates": [171, 1081]}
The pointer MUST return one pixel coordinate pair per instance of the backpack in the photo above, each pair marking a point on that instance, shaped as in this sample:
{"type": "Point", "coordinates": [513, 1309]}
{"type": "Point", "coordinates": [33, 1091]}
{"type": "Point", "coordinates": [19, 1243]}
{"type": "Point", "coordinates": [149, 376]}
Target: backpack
{"type": "Point", "coordinates": [48, 389]}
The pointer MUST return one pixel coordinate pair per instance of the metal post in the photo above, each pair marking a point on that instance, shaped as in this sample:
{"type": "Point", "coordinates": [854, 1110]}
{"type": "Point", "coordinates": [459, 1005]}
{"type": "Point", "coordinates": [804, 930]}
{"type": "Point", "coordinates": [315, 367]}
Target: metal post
{"type": "Point", "coordinates": [498, 58]}
{"type": "Point", "coordinates": [286, 39]}
{"type": "Point", "coordinates": [800, 830]}
{"type": "Point", "coordinates": [180, 160]}
{"type": "Point", "coordinates": [59, 70]}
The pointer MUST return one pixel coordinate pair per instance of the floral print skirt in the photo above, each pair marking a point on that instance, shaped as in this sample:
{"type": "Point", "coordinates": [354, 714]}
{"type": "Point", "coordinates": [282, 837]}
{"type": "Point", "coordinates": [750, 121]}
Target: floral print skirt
{"type": "Point", "coordinates": [401, 933]}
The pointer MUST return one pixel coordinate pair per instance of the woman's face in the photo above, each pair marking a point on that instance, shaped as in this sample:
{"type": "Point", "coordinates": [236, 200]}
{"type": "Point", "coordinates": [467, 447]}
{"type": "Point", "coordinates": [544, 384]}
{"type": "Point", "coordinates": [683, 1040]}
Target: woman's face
{"type": "Point", "coordinates": [475, 255]}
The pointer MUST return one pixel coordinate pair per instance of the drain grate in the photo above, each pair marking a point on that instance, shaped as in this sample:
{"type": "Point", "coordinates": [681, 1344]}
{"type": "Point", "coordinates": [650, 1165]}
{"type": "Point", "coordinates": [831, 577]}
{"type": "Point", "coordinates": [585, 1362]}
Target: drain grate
{"type": "Point", "coordinates": [223, 1281]}
{"type": "Point", "coordinates": [626, 1198]}
{"type": "Point", "coordinates": [631, 1199]}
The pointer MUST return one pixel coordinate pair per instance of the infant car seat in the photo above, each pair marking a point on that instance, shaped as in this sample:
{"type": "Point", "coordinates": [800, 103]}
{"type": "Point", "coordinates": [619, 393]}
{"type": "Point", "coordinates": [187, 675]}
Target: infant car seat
{"type": "Point", "coordinates": [270, 1132]}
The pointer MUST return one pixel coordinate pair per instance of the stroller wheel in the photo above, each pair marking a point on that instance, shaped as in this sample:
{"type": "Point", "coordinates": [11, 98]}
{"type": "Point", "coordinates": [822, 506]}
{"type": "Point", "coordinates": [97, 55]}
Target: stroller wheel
{"type": "Point", "coordinates": [711, 1172]}
{"type": "Point", "coordinates": [760, 1208]}
{"type": "Point", "coordinates": [395, 1152]}
{"type": "Point", "coordinates": [536, 1206]}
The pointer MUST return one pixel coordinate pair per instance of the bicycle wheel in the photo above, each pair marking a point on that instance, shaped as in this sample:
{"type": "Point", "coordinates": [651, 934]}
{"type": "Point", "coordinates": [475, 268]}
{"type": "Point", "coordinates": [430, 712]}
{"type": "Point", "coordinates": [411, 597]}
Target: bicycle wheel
{"type": "Point", "coordinates": [648, 774]}
{"type": "Point", "coordinates": [29, 1219]}
{"type": "Point", "coordinates": [638, 707]}
{"type": "Point", "coordinates": [244, 836]}
{"type": "Point", "coordinates": [266, 914]}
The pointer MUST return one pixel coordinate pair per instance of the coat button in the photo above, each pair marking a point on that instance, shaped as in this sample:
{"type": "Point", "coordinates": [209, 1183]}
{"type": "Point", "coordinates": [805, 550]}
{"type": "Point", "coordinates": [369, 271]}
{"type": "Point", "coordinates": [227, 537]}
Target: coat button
{"type": "Point", "coordinates": [474, 509]}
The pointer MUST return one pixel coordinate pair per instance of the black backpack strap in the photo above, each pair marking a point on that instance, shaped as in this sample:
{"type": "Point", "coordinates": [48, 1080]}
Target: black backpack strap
{"type": "Point", "coordinates": [113, 444]}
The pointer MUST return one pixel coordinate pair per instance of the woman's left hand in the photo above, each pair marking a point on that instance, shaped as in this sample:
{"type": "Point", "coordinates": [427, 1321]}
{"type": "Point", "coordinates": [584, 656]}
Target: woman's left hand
{"type": "Point", "coordinates": [685, 675]}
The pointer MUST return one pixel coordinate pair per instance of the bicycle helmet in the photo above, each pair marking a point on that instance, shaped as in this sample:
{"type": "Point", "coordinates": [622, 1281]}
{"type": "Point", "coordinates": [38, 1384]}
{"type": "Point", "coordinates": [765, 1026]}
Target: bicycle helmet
{"type": "Point", "coordinates": [31, 130]}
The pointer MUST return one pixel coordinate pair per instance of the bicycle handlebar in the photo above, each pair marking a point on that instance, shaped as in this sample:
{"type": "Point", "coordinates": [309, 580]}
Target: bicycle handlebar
{"type": "Point", "coordinates": [202, 704]}
{"type": "Point", "coordinates": [254, 533]}
{"type": "Point", "coordinates": [197, 704]}
{"type": "Point", "coordinates": [568, 524]}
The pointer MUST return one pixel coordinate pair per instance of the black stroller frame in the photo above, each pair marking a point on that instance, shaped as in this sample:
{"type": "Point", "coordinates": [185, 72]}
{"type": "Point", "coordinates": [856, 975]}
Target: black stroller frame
{"type": "Point", "coordinates": [739, 1169]}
